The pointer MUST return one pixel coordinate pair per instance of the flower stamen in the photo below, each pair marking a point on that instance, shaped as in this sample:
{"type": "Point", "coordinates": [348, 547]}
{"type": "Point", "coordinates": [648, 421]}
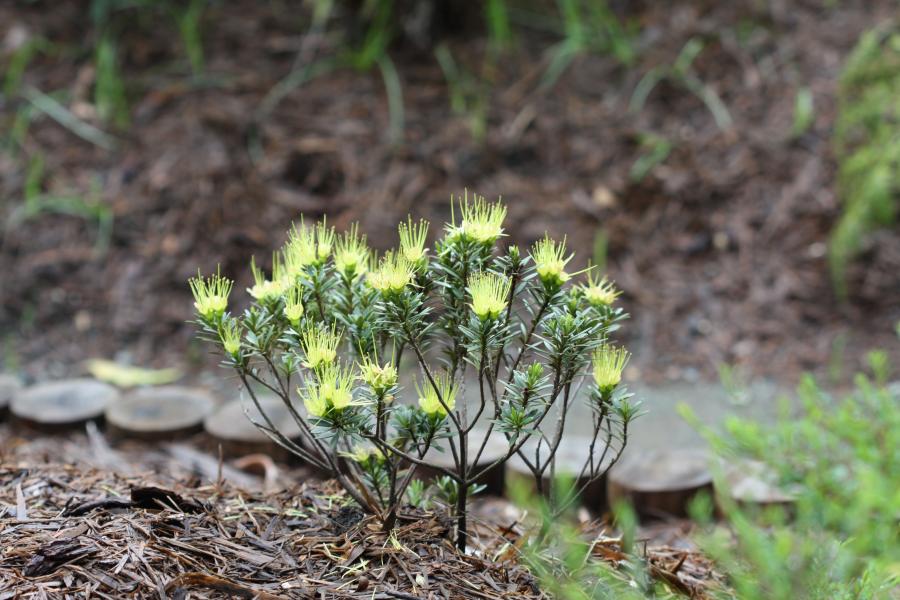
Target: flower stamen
{"type": "Point", "coordinates": [490, 294]}
{"type": "Point", "coordinates": [430, 398]}
{"type": "Point", "coordinates": [210, 294]}
{"type": "Point", "coordinates": [550, 261]}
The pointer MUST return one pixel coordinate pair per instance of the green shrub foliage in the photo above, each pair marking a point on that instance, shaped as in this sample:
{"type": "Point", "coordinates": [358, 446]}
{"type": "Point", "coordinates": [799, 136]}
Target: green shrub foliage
{"type": "Point", "coordinates": [840, 537]}
{"type": "Point", "coordinates": [495, 340]}
{"type": "Point", "coordinates": [836, 536]}
{"type": "Point", "coordinates": [867, 142]}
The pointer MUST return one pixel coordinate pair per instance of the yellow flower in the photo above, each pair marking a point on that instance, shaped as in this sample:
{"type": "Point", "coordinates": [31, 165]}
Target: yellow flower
{"type": "Point", "coordinates": [362, 455]}
{"type": "Point", "coordinates": [315, 403]}
{"type": "Point", "coordinates": [481, 221]}
{"type": "Point", "coordinates": [351, 255]}
{"type": "Point", "coordinates": [230, 336]}
{"type": "Point", "coordinates": [549, 261]}
{"type": "Point", "coordinates": [293, 305]}
{"type": "Point", "coordinates": [265, 290]}
{"type": "Point", "coordinates": [324, 240]}
{"type": "Point", "coordinates": [412, 240]}
{"type": "Point", "coordinates": [336, 384]}
{"type": "Point", "coordinates": [331, 391]}
{"type": "Point", "coordinates": [300, 249]}
{"type": "Point", "coordinates": [428, 397]}
{"type": "Point", "coordinates": [210, 294]}
{"type": "Point", "coordinates": [319, 345]}
{"type": "Point", "coordinates": [490, 294]}
{"type": "Point", "coordinates": [608, 362]}
{"type": "Point", "coordinates": [379, 378]}
{"type": "Point", "coordinates": [393, 274]}
{"type": "Point", "coordinates": [599, 293]}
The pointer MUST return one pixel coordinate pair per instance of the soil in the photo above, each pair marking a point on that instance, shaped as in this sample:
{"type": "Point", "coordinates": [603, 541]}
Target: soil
{"type": "Point", "coordinates": [720, 250]}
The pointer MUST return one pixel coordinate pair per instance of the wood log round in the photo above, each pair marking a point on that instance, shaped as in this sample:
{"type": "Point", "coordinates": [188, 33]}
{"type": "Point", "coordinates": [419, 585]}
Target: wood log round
{"type": "Point", "coordinates": [63, 404]}
{"type": "Point", "coordinates": [230, 426]}
{"type": "Point", "coordinates": [9, 387]}
{"type": "Point", "coordinates": [570, 458]}
{"type": "Point", "coordinates": [660, 483]}
{"type": "Point", "coordinates": [753, 485]}
{"type": "Point", "coordinates": [159, 412]}
{"type": "Point", "coordinates": [495, 449]}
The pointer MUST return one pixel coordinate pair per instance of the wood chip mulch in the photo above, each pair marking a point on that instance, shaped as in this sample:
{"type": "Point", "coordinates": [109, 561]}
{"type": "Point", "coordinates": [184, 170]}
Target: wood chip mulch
{"type": "Point", "coordinates": [75, 532]}
{"type": "Point", "coordinates": [143, 520]}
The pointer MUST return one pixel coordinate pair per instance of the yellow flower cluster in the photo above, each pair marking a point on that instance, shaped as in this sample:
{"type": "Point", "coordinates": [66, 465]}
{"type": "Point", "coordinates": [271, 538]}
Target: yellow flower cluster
{"type": "Point", "coordinates": [608, 363]}
{"type": "Point", "coordinates": [378, 377]}
{"type": "Point", "coordinates": [300, 249]}
{"type": "Point", "coordinates": [331, 391]}
{"type": "Point", "coordinates": [319, 345]}
{"type": "Point", "coordinates": [550, 261]}
{"type": "Point", "coordinates": [412, 240]}
{"type": "Point", "coordinates": [393, 273]}
{"type": "Point", "coordinates": [430, 402]}
{"type": "Point", "coordinates": [230, 336]}
{"type": "Point", "coordinates": [307, 246]}
{"type": "Point", "coordinates": [481, 221]}
{"type": "Point", "coordinates": [210, 294]}
{"type": "Point", "coordinates": [351, 254]}
{"type": "Point", "coordinates": [363, 455]}
{"type": "Point", "coordinates": [268, 290]}
{"type": "Point", "coordinates": [293, 305]}
{"type": "Point", "coordinates": [599, 293]}
{"type": "Point", "coordinates": [490, 294]}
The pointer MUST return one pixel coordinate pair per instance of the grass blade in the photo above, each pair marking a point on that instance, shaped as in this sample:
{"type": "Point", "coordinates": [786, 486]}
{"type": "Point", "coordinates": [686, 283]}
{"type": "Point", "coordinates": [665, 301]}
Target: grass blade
{"type": "Point", "coordinates": [59, 113]}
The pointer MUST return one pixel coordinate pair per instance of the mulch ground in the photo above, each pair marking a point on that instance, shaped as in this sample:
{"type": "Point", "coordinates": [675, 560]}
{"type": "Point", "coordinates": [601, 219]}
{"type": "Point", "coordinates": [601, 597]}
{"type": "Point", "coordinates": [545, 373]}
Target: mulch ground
{"type": "Point", "coordinates": [172, 529]}
{"type": "Point", "coordinates": [94, 534]}
{"type": "Point", "coordinates": [720, 250]}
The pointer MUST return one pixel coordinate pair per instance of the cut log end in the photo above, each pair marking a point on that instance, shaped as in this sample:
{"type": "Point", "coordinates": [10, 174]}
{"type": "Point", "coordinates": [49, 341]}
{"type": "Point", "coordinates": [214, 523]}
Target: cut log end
{"type": "Point", "coordinates": [9, 387]}
{"type": "Point", "coordinates": [495, 449]}
{"type": "Point", "coordinates": [62, 404]}
{"type": "Point", "coordinates": [751, 483]}
{"type": "Point", "coordinates": [571, 457]}
{"type": "Point", "coordinates": [159, 413]}
{"type": "Point", "coordinates": [230, 427]}
{"type": "Point", "coordinates": [660, 484]}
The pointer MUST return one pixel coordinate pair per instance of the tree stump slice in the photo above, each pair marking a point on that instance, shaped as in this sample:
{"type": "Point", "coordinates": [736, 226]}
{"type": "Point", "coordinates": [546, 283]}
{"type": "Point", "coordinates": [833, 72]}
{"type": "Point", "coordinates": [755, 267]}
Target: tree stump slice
{"type": "Point", "coordinates": [496, 448]}
{"type": "Point", "coordinates": [238, 436]}
{"type": "Point", "coordinates": [59, 405]}
{"type": "Point", "coordinates": [159, 412]}
{"type": "Point", "coordinates": [893, 388]}
{"type": "Point", "coordinates": [570, 458]}
{"type": "Point", "coordinates": [660, 484]}
{"type": "Point", "coordinates": [753, 484]}
{"type": "Point", "coordinates": [9, 387]}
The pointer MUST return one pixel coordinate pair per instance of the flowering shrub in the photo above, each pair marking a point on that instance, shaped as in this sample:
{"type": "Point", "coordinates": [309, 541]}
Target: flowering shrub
{"type": "Point", "coordinates": [330, 324]}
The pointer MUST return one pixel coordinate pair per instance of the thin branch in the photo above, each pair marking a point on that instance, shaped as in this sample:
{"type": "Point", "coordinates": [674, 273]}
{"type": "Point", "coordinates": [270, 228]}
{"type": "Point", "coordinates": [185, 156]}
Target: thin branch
{"type": "Point", "coordinates": [416, 461]}
{"type": "Point", "coordinates": [415, 346]}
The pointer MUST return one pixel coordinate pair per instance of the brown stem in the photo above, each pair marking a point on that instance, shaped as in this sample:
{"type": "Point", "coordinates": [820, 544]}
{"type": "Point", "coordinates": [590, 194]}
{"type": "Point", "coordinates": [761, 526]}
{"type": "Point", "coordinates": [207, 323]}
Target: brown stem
{"type": "Point", "coordinates": [509, 306]}
{"type": "Point", "coordinates": [434, 385]}
{"type": "Point", "coordinates": [527, 339]}
{"type": "Point", "coordinates": [517, 446]}
{"type": "Point", "coordinates": [276, 436]}
{"type": "Point", "coordinates": [416, 461]}
{"type": "Point", "coordinates": [462, 493]}
{"type": "Point", "coordinates": [462, 534]}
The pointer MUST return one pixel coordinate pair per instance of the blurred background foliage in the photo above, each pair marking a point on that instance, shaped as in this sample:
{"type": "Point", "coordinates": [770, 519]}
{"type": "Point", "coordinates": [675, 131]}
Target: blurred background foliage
{"type": "Point", "coordinates": [611, 120]}
{"type": "Point", "coordinates": [867, 144]}
{"type": "Point", "coordinates": [839, 538]}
